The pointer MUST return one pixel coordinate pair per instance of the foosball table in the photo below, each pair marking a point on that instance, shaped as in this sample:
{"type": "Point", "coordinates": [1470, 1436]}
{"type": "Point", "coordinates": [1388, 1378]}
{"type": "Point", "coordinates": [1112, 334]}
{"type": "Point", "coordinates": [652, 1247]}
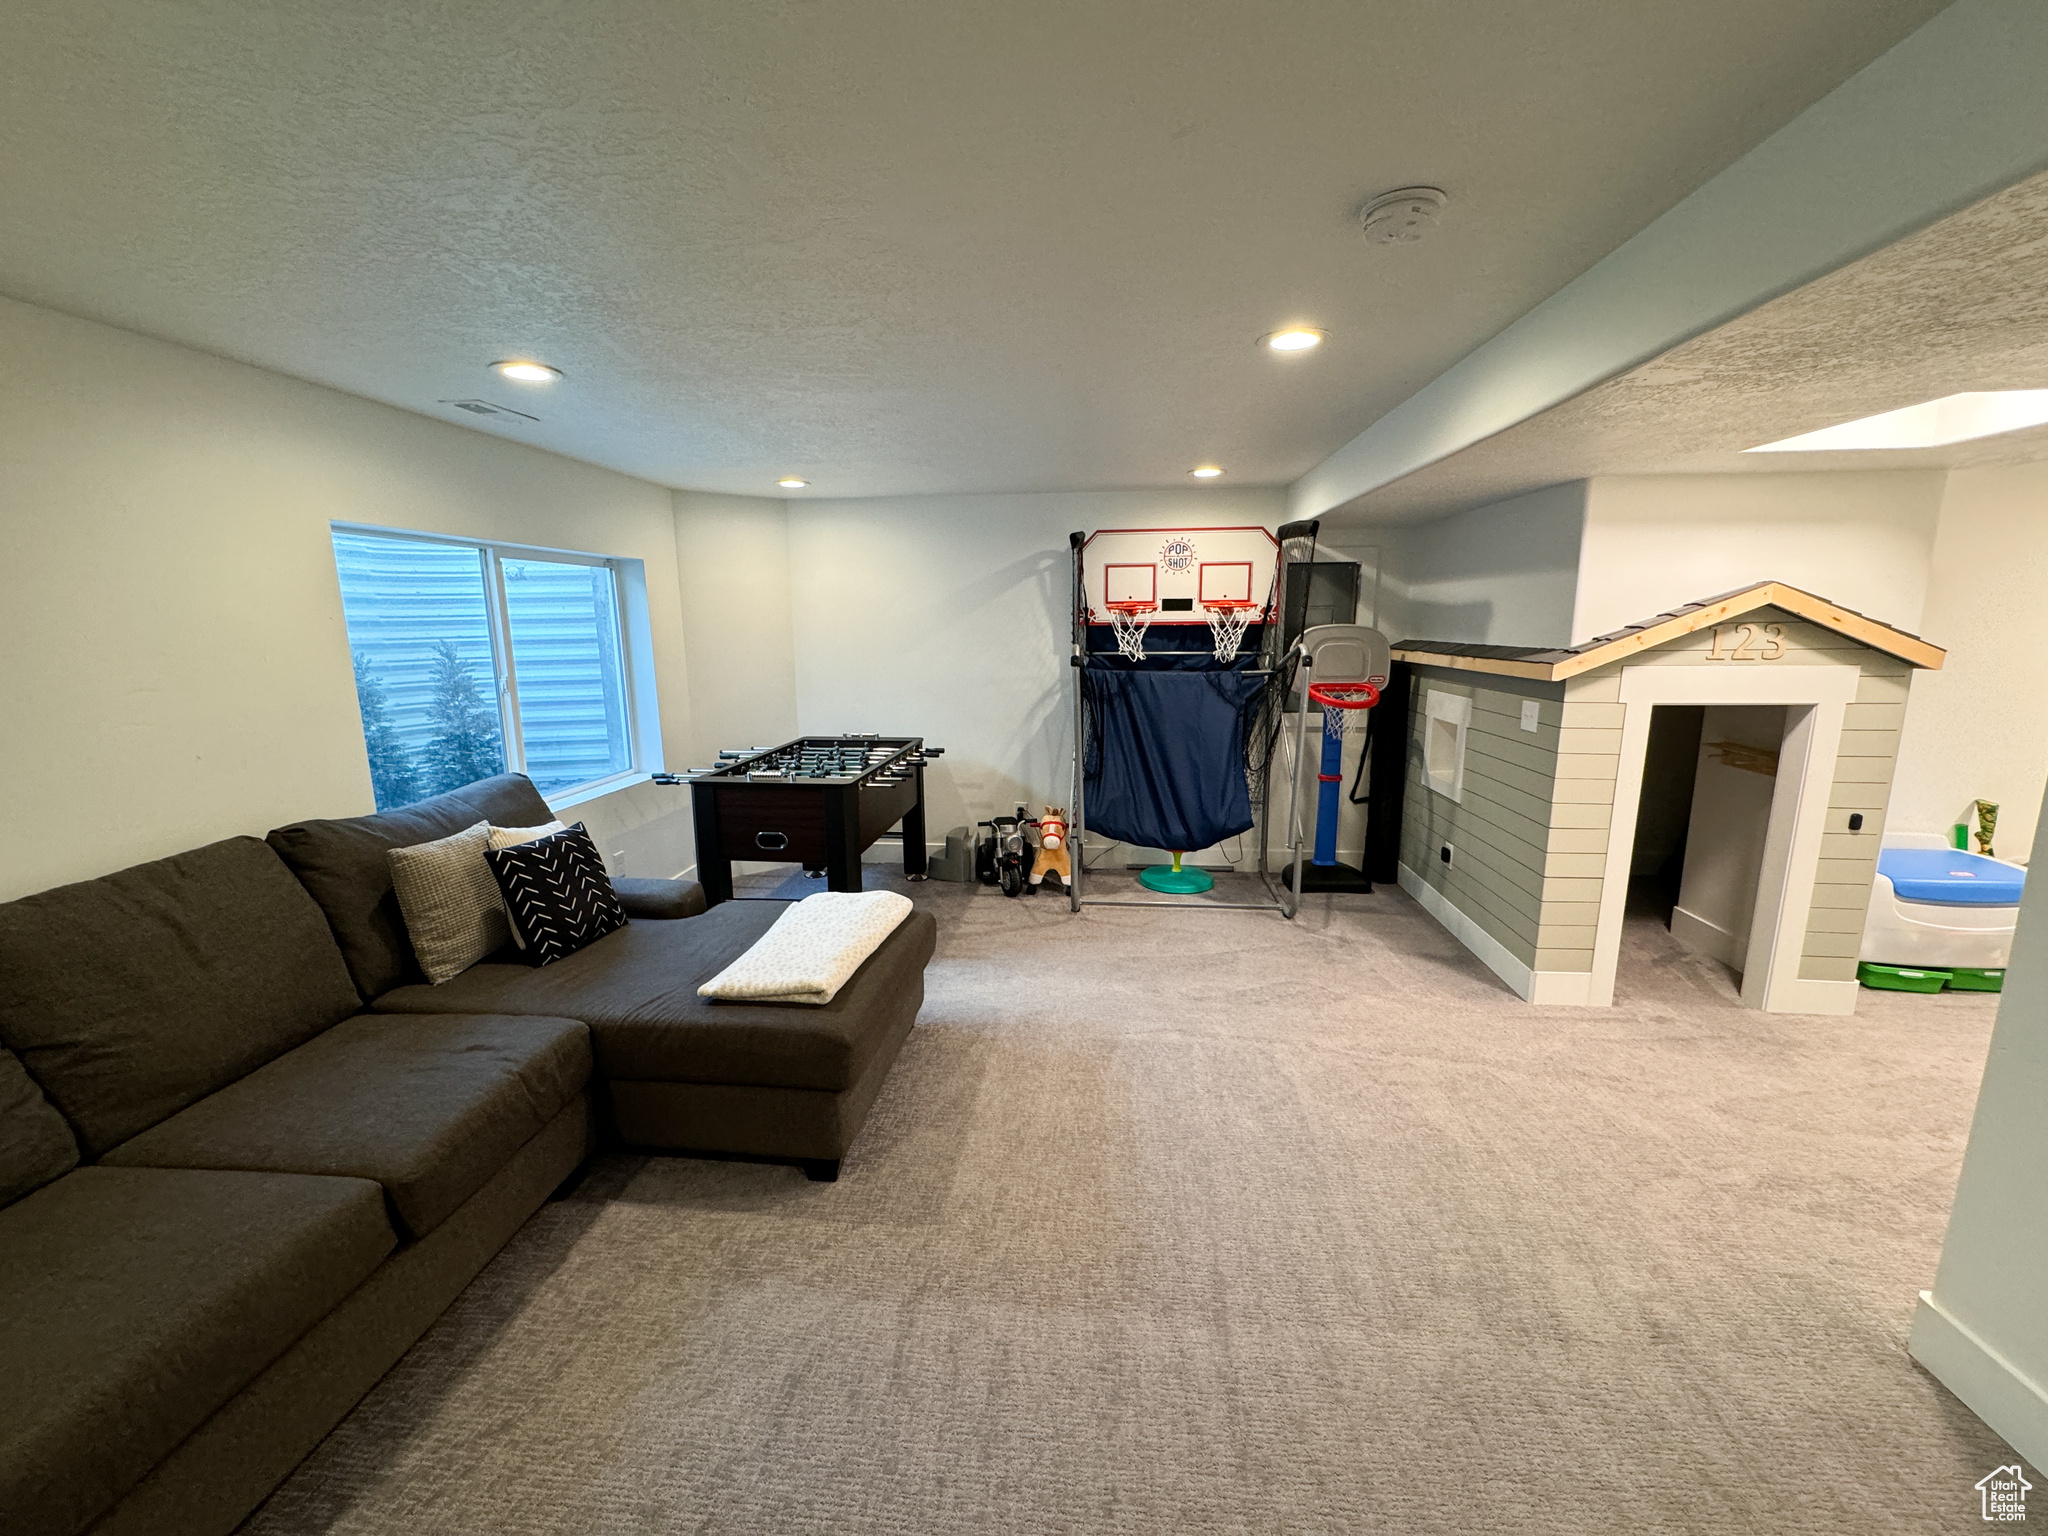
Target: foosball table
{"type": "Point", "coordinates": [818, 801]}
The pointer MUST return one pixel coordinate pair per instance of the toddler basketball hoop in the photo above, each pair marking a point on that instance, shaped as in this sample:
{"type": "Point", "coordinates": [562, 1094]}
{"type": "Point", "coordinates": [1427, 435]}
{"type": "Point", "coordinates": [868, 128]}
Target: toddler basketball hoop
{"type": "Point", "coordinates": [1228, 620]}
{"type": "Point", "coordinates": [1130, 620]}
{"type": "Point", "coordinates": [1358, 657]}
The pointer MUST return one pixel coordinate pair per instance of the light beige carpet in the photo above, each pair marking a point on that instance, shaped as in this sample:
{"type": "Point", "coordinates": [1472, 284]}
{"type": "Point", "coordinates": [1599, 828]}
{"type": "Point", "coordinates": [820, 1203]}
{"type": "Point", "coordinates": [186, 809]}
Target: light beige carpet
{"type": "Point", "coordinates": [1192, 1222]}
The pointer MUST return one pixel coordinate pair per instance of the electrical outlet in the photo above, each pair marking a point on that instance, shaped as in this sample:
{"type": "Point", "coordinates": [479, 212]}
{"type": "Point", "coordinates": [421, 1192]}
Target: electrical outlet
{"type": "Point", "coordinates": [1444, 853]}
{"type": "Point", "coordinates": [1532, 715]}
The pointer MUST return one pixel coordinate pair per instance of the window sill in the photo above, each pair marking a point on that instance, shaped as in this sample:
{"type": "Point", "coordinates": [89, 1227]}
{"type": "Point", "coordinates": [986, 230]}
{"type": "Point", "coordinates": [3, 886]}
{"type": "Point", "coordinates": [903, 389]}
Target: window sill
{"type": "Point", "coordinates": [596, 789]}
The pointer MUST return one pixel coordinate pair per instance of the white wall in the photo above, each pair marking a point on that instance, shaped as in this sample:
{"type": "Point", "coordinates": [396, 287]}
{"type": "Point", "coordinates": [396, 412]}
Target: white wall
{"type": "Point", "coordinates": [1501, 574]}
{"type": "Point", "coordinates": [1655, 542]}
{"type": "Point", "coordinates": [1954, 556]}
{"type": "Point", "coordinates": [1979, 727]}
{"type": "Point", "coordinates": [1984, 1330]}
{"type": "Point", "coordinates": [732, 558]}
{"type": "Point", "coordinates": [946, 617]}
{"type": "Point", "coordinates": [176, 664]}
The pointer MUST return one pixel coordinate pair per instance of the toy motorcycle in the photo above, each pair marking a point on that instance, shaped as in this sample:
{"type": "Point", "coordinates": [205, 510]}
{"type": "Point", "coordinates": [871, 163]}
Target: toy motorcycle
{"type": "Point", "coordinates": [1003, 858]}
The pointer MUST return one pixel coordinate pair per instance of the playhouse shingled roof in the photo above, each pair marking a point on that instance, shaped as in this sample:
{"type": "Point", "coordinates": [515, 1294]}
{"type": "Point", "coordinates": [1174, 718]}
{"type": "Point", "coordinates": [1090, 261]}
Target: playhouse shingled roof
{"type": "Point", "coordinates": [1552, 665]}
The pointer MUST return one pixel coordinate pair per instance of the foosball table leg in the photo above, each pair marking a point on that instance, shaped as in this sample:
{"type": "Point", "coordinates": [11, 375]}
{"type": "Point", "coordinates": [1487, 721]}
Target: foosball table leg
{"type": "Point", "coordinates": [714, 869]}
{"type": "Point", "coordinates": [916, 857]}
{"type": "Point", "coordinates": [842, 839]}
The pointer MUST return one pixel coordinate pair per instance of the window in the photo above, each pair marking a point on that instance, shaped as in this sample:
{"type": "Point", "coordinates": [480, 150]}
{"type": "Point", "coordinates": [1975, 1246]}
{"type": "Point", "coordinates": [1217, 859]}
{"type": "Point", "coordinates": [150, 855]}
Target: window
{"type": "Point", "coordinates": [473, 659]}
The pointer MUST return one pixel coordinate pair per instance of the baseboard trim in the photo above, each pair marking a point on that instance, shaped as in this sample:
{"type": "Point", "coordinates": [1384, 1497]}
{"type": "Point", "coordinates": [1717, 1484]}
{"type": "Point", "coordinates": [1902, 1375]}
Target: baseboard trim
{"type": "Point", "coordinates": [1990, 1385]}
{"type": "Point", "coordinates": [1561, 988]}
{"type": "Point", "coordinates": [1800, 994]}
{"type": "Point", "coordinates": [1708, 938]}
{"type": "Point", "coordinates": [1564, 989]}
{"type": "Point", "coordinates": [1491, 952]}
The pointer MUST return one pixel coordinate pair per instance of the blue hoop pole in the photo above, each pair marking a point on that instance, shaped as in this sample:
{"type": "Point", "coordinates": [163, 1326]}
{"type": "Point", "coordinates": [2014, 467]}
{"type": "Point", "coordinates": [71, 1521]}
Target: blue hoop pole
{"type": "Point", "coordinates": [1331, 778]}
{"type": "Point", "coordinates": [1327, 783]}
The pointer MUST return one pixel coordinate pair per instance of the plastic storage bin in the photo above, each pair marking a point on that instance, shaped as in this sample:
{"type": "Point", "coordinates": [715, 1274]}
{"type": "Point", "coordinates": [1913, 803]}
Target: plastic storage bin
{"type": "Point", "coordinates": [1939, 908]}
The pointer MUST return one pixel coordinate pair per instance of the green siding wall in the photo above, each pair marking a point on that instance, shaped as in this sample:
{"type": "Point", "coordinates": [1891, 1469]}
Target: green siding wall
{"type": "Point", "coordinates": [1500, 829]}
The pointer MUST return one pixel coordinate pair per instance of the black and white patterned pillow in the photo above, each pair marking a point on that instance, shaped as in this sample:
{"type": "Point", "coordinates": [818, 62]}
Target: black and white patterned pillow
{"type": "Point", "coordinates": [558, 893]}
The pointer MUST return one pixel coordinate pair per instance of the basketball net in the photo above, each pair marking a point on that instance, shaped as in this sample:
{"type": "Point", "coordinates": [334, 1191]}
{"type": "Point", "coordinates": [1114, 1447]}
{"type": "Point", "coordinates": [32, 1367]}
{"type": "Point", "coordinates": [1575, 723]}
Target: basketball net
{"type": "Point", "coordinates": [1130, 621]}
{"type": "Point", "coordinates": [1344, 705]}
{"type": "Point", "coordinates": [1227, 623]}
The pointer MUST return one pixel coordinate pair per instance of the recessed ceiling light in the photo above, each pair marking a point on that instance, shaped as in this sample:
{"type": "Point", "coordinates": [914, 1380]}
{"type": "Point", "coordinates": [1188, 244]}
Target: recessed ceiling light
{"type": "Point", "coordinates": [791, 483]}
{"type": "Point", "coordinates": [527, 372]}
{"type": "Point", "coordinates": [1296, 338]}
{"type": "Point", "coordinates": [1205, 472]}
{"type": "Point", "coordinates": [1930, 424]}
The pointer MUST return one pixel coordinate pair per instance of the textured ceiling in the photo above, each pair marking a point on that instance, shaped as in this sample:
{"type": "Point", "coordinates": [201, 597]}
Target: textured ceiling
{"type": "Point", "coordinates": [1962, 305]}
{"type": "Point", "coordinates": [893, 246]}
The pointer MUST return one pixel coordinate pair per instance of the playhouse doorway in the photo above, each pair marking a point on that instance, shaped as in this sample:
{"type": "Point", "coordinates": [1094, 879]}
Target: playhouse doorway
{"type": "Point", "coordinates": [1703, 836]}
{"type": "Point", "coordinates": [1799, 708]}
{"type": "Point", "coordinates": [1663, 811]}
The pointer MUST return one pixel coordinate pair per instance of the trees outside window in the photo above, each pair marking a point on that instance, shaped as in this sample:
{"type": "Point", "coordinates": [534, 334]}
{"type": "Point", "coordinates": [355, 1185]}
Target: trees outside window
{"type": "Point", "coordinates": [393, 775]}
{"type": "Point", "coordinates": [471, 659]}
{"type": "Point", "coordinates": [466, 744]}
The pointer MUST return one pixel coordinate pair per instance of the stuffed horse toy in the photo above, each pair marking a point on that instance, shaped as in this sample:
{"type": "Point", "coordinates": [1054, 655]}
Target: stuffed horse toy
{"type": "Point", "coordinates": [1052, 847]}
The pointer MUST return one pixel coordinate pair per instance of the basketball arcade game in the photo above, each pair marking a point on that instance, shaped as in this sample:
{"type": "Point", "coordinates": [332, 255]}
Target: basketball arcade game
{"type": "Point", "coordinates": [1174, 738]}
{"type": "Point", "coordinates": [1219, 593]}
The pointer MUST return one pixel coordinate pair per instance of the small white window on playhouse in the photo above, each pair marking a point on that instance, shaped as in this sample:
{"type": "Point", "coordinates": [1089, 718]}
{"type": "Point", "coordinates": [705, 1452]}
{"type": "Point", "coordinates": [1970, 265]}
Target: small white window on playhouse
{"type": "Point", "coordinates": [1446, 717]}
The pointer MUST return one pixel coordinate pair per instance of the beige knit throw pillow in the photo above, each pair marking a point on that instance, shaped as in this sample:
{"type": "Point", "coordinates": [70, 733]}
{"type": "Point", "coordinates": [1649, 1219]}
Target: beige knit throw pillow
{"type": "Point", "coordinates": [453, 912]}
{"type": "Point", "coordinates": [512, 837]}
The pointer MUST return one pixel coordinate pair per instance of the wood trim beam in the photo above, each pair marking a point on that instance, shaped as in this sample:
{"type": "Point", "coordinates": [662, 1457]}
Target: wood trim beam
{"type": "Point", "coordinates": [1879, 637]}
{"type": "Point", "coordinates": [1674, 628]}
{"type": "Point", "coordinates": [1540, 671]}
{"type": "Point", "coordinates": [1769, 594]}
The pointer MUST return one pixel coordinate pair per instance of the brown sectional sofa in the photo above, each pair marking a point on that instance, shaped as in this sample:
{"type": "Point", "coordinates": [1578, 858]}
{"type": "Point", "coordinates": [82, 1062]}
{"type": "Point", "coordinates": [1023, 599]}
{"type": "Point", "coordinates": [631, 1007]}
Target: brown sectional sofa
{"type": "Point", "coordinates": [247, 1156]}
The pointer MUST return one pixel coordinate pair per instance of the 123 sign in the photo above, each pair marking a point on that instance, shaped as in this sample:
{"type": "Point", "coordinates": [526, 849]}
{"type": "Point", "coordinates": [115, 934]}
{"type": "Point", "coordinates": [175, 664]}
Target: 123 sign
{"type": "Point", "coordinates": [1747, 642]}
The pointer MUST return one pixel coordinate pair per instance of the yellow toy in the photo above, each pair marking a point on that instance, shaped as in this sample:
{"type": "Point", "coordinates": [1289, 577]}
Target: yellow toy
{"type": "Point", "coordinates": [1052, 847]}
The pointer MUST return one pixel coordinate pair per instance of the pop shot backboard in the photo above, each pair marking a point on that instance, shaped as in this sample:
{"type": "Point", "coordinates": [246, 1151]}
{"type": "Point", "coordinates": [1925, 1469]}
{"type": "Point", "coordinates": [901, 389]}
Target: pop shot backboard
{"type": "Point", "coordinates": [1181, 571]}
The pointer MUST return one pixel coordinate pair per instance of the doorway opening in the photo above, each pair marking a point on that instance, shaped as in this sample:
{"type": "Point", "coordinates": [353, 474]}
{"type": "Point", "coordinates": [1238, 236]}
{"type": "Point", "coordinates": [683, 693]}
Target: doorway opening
{"type": "Point", "coordinates": [1703, 824]}
{"type": "Point", "coordinates": [1663, 812]}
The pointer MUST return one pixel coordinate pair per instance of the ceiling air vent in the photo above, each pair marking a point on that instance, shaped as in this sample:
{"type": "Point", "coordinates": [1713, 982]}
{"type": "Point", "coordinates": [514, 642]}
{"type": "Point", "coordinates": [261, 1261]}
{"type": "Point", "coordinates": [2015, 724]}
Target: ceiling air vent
{"type": "Point", "coordinates": [485, 408]}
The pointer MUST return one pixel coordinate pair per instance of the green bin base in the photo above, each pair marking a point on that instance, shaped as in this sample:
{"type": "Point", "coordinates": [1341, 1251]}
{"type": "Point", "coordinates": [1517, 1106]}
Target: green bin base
{"type": "Point", "coordinates": [1901, 978]}
{"type": "Point", "coordinates": [1965, 978]}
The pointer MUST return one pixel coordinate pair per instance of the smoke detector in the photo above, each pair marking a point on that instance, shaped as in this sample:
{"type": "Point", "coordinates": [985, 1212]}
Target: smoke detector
{"type": "Point", "coordinates": [1401, 217]}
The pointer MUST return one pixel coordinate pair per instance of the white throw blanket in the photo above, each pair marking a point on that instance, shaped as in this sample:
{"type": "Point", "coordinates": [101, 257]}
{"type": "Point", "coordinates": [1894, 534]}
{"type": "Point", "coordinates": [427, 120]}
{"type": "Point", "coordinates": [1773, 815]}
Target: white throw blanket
{"type": "Point", "coordinates": [812, 950]}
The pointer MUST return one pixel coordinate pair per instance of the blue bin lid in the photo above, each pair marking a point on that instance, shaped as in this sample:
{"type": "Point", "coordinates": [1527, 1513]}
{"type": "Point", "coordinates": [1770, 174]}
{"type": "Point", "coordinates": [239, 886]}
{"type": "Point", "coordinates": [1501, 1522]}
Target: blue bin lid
{"type": "Point", "coordinates": [1951, 878]}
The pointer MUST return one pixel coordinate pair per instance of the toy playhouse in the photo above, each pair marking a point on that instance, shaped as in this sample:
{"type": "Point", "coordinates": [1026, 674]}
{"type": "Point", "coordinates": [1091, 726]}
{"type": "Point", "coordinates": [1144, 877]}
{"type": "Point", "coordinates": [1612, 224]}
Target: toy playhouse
{"type": "Point", "coordinates": [1754, 732]}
